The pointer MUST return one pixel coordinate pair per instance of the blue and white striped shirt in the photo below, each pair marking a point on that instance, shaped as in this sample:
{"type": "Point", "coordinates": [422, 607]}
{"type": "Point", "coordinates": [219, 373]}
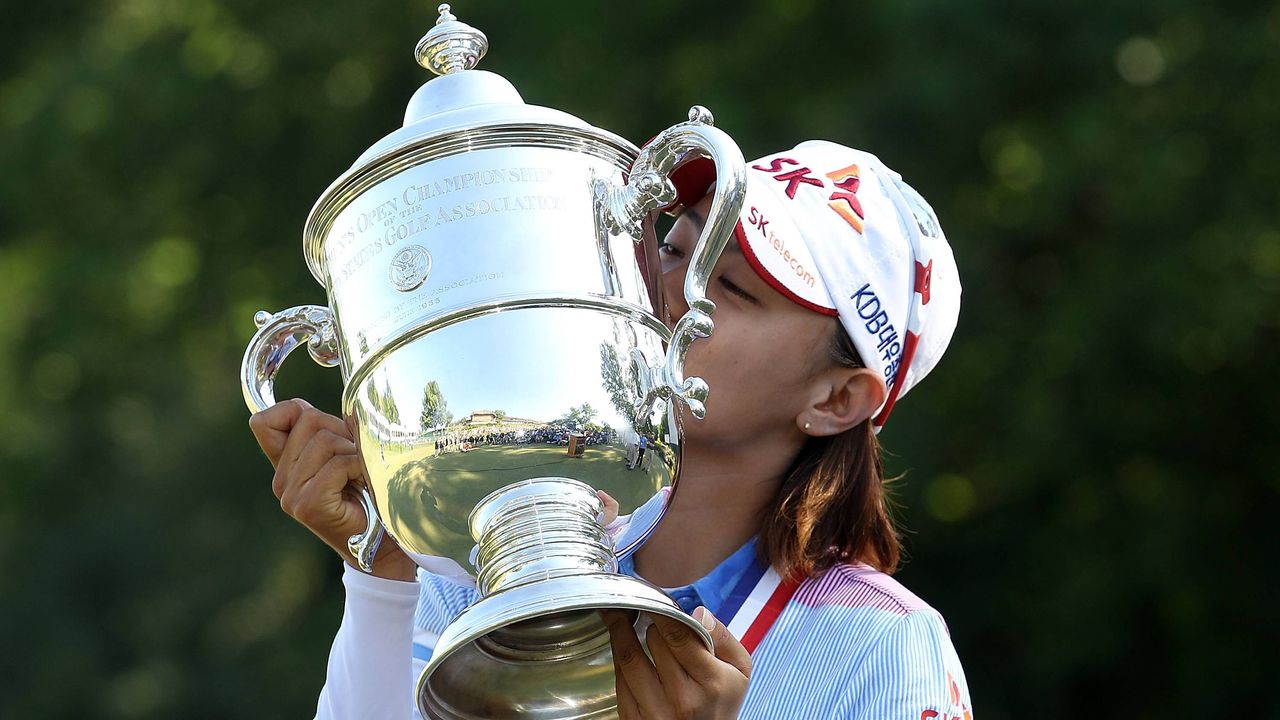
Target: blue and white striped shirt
{"type": "Point", "coordinates": [852, 643]}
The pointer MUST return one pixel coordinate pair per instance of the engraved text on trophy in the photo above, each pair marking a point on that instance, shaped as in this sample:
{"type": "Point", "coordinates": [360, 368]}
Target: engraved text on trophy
{"type": "Point", "coordinates": [456, 233]}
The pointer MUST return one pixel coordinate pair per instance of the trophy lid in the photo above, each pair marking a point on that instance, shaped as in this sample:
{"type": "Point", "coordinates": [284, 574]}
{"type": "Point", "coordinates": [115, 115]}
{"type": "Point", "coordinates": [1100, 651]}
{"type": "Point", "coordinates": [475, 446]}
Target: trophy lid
{"type": "Point", "coordinates": [461, 97]}
{"type": "Point", "coordinates": [462, 109]}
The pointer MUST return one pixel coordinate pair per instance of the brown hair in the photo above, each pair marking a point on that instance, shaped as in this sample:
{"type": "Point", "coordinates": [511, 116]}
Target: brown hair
{"type": "Point", "coordinates": [832, 506]}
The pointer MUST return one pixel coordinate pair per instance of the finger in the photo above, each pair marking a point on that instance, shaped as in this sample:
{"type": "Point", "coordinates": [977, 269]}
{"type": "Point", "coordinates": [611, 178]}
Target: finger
{"type": "Point", "coordinates": [627, 707]}
{"type": "Point", "coordinates": [676, 683]}
{"type": "Point", "coordinates": [310, 421]}
{"type": "Point", "coordinates": [727, 647]}
{"type": "Point", "coordinates": [336, 476]}
{"type": "Point", "coordinates": [321, 503]}
{"type": "Point", "coordinates": [632, 665]}
{"type": "Point", "coordinates": [324, 445]}
{"type": "Point", "coordinates": [610, 506]}
{"type": "Point", "coordinates": [271, 427]}
{"type": "Point", "coordinates": [687, 648]}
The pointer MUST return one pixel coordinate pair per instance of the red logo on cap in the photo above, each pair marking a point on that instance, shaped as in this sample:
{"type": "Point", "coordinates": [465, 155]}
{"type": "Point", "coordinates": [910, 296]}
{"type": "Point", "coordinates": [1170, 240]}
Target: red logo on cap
{"type": "Point", "coordinates": [845, 200]}
{"type": "Point", "coordinates": [924, 276]}
{"type": "Point", "coordinates": [792, 178]}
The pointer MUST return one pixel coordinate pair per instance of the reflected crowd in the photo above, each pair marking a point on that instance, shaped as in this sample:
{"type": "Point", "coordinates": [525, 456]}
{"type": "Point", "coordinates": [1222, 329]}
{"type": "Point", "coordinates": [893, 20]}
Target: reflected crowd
{"type": "Point", "coordinates": [470, 439]}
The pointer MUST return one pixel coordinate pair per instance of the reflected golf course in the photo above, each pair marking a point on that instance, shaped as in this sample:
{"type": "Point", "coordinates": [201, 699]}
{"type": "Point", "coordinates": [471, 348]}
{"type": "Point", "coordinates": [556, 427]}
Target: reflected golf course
{"type": "Point", "coordinates": [429, 498]}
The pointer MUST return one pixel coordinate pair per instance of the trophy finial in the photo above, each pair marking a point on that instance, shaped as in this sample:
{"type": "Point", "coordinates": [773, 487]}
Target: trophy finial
{"type": "Point", "coordinates": [451, 46]}
{"type": "Point", "coordinates": [701, 116]}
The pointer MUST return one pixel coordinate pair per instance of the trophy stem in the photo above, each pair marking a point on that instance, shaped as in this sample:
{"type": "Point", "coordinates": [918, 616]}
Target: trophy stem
{"type": "Point", "coordinates": [539, 529]}
{"type": "Point", "coordinates": [533, 647]}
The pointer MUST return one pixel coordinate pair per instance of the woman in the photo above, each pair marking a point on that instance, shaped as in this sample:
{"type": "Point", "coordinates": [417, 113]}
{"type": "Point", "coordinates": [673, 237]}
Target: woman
{"type": "Point", "coordinates": [839, 294]}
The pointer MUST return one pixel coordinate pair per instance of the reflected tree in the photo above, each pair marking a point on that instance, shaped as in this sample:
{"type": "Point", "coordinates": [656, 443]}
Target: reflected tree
{"type": "Point", "coordinates": [580, 416]}
{"type": "Point", "coordinates": [389, 408]}
{"type": "Point", "coordinates": [621, 384]}
{"type": "Point", "coordinates": [435, 409]}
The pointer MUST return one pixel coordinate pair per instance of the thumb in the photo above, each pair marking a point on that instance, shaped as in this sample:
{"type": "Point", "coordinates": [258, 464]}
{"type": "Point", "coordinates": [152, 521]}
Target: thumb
{"type": "Point", "coordinates": [610, 507]}
{"type": "Point", "coordinates": [727, 647]}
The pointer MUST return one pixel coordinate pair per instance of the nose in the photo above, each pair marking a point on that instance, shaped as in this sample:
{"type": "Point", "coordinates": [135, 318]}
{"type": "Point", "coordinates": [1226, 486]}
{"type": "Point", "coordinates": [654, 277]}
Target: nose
{"type": "Point", "coordinates": [673, 294]}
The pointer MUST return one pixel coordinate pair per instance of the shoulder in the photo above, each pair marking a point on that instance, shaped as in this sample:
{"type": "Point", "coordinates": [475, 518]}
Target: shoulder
{"type": "Point", "coordinates": [876, 615]}
{"type": "Point", "coordinates": [860, 586]}
{"type": "Point", "coordinates": [858, 643]}
{"type": "Point", "coordinates": [879, 617]}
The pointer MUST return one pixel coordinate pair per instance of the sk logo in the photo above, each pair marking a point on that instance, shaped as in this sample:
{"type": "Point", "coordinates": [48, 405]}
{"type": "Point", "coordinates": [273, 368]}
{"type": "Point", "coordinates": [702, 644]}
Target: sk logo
{"type": "Point", "coordinates": [792, 178]}
{"type": "Point", "coordinates": [846, 180]}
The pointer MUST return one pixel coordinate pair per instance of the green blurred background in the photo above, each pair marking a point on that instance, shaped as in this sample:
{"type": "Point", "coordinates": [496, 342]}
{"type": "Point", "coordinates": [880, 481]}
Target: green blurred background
{"type": "Point", "coordinates": [1090, 474]}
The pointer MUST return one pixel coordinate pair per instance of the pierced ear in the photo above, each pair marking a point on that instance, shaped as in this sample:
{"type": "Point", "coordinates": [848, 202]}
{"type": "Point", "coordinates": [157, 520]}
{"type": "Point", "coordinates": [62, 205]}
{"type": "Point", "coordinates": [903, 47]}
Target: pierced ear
{"type": "Point", "coordinates": [843, 399]}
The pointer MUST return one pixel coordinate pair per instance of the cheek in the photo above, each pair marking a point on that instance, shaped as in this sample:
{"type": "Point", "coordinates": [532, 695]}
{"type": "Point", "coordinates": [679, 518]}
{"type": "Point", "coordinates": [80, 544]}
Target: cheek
{"type": "Point", "coordinates": [773, 360]}
{"type": "Point", "coordinates": [737, 361]}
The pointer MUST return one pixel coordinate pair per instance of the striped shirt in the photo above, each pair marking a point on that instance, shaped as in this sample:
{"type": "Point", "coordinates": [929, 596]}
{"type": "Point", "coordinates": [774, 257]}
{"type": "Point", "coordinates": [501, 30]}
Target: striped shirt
{"type": "Point", "coordinates": [852, 643]}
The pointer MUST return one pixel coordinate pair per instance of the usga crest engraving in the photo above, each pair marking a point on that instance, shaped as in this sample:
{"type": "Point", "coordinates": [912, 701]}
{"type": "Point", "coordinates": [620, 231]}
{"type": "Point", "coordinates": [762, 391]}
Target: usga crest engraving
{"type": "Point", "coordinates": [410, 268]}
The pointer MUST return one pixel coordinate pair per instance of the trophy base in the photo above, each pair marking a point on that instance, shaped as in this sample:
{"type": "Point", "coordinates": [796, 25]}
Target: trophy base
{"type": "Point", "coordinates": [537, 651]}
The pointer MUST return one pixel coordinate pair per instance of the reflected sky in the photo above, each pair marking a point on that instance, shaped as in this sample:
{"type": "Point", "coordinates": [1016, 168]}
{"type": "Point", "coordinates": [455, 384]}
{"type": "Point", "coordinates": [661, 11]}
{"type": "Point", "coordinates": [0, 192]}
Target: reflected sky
{"type": "Point", "coordinates": [531, 363]}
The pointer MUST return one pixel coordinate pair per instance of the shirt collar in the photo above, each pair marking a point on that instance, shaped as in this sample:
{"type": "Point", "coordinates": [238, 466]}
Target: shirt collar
{"type": "Point", "coordinates": [711, 589]}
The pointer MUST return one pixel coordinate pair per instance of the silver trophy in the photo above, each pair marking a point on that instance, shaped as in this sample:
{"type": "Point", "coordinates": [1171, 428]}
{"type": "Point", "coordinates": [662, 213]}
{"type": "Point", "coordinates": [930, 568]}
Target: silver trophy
{"type": "Point", "coordinates": [496, 311]}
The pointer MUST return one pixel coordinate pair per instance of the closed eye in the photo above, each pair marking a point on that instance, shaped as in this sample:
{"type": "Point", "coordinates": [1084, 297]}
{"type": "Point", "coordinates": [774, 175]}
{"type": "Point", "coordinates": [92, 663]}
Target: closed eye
{"type": "Point", "coordinates": [733, 289]}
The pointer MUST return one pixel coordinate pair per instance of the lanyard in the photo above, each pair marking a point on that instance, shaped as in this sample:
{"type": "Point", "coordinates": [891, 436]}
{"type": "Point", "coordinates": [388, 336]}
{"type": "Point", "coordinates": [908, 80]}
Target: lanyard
{"type": "Point", "coordinates": [755, 603]}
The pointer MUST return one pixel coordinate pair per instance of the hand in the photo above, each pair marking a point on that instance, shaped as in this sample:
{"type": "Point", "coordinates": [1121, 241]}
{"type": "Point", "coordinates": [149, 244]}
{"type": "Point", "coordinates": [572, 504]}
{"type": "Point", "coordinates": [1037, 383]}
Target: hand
{"type": "Point", "coordinates": [684, 679]}
{"type": "Point", "coordinates": [318, 476]}
{"type": "Point", "coordinates": [610, 507]}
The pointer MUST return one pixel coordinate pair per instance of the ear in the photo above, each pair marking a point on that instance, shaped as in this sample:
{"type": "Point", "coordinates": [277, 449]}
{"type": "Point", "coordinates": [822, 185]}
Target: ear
{"type": "Point", "coordinates": [842, 398]}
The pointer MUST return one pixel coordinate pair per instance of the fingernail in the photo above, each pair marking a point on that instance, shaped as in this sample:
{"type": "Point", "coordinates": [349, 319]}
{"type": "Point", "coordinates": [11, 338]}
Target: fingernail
{"type": "Point", "coordinates": [705, 617]}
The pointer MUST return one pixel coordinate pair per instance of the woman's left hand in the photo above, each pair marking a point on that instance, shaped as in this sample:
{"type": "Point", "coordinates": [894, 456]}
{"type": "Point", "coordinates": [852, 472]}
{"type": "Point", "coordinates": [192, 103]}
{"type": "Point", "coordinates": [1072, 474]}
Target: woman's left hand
{"type": "Point", "coordinates": [684, 679]}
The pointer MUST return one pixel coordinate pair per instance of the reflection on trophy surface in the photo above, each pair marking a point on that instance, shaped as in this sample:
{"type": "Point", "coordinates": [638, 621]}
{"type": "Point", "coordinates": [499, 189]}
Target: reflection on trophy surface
{"type": "Point", "coordinates": [494, 309]}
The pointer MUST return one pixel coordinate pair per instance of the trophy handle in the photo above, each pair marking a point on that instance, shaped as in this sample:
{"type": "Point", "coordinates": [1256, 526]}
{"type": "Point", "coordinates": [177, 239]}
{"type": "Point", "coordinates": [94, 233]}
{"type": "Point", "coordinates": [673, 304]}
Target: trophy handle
{"type": "Point", "coordinates": [648, 189]}
{"type": "Point", "coordinates": [277, 336]}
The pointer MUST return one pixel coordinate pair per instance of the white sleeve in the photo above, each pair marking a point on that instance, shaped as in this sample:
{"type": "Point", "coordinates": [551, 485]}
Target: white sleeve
{"type": "Point", "coordinates": [369, 673]}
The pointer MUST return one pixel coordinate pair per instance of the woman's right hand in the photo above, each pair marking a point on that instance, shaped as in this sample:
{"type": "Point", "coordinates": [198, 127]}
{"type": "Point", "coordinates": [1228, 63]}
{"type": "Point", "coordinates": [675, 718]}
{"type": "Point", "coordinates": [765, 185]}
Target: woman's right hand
{"type": "Point", "coordinates": [679, 677]}
{"type": "Point", "coordinates": [317, 480]}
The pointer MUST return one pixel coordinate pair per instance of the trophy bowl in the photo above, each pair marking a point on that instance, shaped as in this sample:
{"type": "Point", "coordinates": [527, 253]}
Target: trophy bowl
{"type": "Point", "coordinates": [495, 309]}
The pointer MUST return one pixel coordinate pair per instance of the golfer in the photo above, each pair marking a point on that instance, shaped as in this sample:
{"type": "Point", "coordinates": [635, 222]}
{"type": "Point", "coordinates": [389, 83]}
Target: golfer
{"type": "Point", "coordinates": [838, 294]}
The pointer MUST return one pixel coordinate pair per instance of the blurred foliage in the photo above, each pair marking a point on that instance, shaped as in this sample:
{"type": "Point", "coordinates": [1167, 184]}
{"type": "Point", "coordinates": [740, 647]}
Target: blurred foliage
{"type": "Point", "coordinates": [1090, 474]}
